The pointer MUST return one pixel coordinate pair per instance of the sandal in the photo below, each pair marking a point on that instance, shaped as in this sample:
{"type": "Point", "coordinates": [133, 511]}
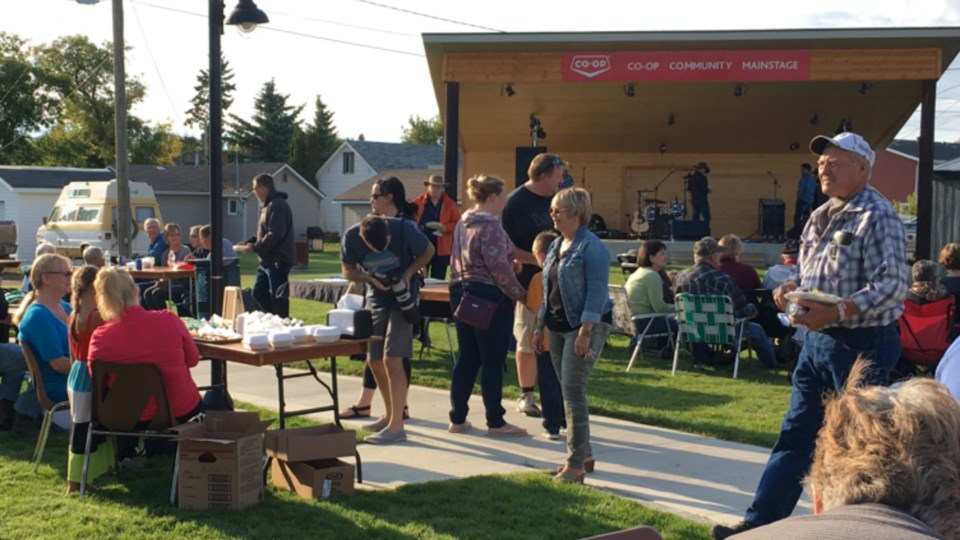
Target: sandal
{"type": "Point", "coordinates": [355, 412]}
{"type": "Point", "coordinates": [507, 430]}
{"type": "Point", "coordinates": [460, 428]}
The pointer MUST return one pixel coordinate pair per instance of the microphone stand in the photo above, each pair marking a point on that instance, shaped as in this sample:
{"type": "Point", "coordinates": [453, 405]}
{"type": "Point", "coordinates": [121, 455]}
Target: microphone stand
{"type": "Point", "coordinates": [656, 188]}
{"type": "Point", "coordinates": [776, 184]}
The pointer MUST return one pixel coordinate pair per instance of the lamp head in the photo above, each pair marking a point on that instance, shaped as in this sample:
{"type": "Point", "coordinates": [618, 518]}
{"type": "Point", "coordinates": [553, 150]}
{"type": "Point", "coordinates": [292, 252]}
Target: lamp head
{"type": "Point", "coordinates": [246, 16]}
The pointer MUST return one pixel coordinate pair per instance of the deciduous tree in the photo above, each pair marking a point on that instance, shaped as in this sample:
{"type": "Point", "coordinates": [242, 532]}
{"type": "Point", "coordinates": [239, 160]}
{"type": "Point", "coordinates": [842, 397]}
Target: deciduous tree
{"type": "Point", "coordinates": [423, 131]}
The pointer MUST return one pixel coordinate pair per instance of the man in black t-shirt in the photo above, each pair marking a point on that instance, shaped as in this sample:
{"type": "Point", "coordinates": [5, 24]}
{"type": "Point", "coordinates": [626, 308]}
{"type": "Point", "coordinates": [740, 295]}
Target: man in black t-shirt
{"type": "Point", "coordinates": [699, 188]}
{"type": "Point", "coordinates": [527, 214]}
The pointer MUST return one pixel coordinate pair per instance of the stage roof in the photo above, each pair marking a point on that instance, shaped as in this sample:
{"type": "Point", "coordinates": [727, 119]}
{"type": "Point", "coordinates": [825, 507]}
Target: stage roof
{"type": "Point", "coordinates": [870, 77]}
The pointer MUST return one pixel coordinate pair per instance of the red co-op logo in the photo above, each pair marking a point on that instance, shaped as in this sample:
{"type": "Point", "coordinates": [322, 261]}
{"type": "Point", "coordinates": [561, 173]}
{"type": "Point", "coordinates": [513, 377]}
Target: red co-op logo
{"type": "Point", "coordinates": [590, 65]}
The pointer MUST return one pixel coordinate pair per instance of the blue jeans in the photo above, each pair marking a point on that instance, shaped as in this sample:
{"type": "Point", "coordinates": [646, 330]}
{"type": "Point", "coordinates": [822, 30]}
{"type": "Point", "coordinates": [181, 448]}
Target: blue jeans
{"type": "Point", "coordinates": [551, 396]}
{"type": "Point", "coordinates": [574, 373]}
{"type": "Point", "coordinates": [760, 343]}
{"type": "Point", "coordinates": [271, 291]}
{"type": "Point", "coordinates": [486, 349]}
{"type": "Point", "coordinates": [824, 364]}
{"type": "Point", "coordinates": [13, 368]}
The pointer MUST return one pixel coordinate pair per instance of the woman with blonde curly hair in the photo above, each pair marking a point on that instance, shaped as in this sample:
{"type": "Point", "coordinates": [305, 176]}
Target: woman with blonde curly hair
{"type": "Point", "coordinates": [885, 466]}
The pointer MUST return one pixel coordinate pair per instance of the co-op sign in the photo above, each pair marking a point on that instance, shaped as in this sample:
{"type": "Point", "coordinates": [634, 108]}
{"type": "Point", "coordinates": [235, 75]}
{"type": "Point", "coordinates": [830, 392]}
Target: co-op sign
{"type": "Point", "coordinates": [636, 66]}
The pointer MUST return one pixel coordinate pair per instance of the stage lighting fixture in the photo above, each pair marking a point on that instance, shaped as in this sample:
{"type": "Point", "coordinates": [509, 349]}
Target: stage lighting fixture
{"type": "Point", "coordinates": [739, 90]}
{"type": "Point", "coordinates": [663, 147]}
{"type": "Point", "coordinates": [629, 90]}
{"type": "Point", "coordinates": [864, 88]}
{"type": "Point", "coordinates": [794, 146]}
{"type": "Point", "coordinates": [815, 119]}
{"type": "Point", "coordinates": [508, 90]}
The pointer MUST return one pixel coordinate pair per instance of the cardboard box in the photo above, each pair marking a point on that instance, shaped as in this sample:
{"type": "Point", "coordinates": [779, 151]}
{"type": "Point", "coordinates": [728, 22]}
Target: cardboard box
{"type": "Point", "coordinates": [221, 461]}
{"type": "Point", "coordinates": [319, 479]}
{"type": "Point", "coordinates": [311, 443]}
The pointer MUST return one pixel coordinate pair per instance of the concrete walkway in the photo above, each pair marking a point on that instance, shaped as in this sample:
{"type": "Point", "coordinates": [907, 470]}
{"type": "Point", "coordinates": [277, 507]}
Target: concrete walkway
{"type": "Point", "coordinates": [697, 477]}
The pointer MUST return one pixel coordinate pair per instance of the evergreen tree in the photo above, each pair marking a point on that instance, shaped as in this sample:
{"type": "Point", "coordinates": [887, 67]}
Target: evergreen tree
{"type": "Point", "coordinates": [198, 116]}
{"type": "Point", "coordinates": [269, 135]}
{"type": "Point", "coordinates": [316, 142]}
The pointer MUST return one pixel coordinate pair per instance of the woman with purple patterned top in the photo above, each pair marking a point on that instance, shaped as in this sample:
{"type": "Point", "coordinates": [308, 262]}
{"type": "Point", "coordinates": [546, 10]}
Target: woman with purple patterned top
{"type": "Point", "coordinates": [483, 265]}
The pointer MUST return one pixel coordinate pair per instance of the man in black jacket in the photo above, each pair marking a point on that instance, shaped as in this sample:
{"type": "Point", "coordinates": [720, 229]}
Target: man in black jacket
{"type": "Point", "coordinates": [274, 246]}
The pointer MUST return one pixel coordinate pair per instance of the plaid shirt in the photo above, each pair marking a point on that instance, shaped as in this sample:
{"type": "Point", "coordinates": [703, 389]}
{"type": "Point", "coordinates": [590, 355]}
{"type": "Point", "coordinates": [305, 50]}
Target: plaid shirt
{"type": "Point", "coordinates": [704, 279]}
{"type": "Point", "coordinates": [857, 252]}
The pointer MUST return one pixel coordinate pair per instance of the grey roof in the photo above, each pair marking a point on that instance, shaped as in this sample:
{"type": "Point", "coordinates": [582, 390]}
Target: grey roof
{"type": "Point", "coordinates": [383, 156]}
{"type": "Point", "coordinates": [950, 166]}
{"type": "Point", "coordinates": [942, 151]}
{"type": "Point", "coordinates": [412, 180]}
{"type": "Point", "coordinates": [197, 179]}
{"type": "Point", "coordinates": [49, 177]}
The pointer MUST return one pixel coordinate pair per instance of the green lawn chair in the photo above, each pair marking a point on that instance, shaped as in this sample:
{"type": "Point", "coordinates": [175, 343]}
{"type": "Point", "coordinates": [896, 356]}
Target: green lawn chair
{"type": "Point", "coordinates": [708, 318]}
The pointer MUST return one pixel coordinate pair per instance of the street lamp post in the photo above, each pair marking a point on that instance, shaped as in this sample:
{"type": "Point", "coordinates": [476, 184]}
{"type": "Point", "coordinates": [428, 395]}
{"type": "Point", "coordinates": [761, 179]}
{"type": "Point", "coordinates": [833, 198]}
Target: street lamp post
{"type": "Point", "coordinates": [247, 16]}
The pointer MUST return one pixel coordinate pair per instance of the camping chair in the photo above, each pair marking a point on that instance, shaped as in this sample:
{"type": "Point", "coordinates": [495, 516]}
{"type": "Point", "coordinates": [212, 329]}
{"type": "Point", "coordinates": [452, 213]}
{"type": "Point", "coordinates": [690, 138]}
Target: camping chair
{"type": "Point", "coordinates": [926, 330]}
{"type": "Point", "coordinates": [117, 411]}
{"type": "Point", "coordinates": [49, 407]}
{"type": "Point", "coordinates": [708, 318]}
{"type": "Point", "coordinates": [650, 325]}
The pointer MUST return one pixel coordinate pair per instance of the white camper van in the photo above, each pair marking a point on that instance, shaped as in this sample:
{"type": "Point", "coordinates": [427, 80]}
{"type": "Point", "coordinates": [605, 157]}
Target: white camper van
{"type": "Point", "coordinates": [86, 215]}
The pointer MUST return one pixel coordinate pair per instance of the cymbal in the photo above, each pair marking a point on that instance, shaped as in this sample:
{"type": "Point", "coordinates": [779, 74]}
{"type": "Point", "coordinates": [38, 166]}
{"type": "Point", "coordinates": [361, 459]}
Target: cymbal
{"type": "Point", "coordinates": [655, 201]}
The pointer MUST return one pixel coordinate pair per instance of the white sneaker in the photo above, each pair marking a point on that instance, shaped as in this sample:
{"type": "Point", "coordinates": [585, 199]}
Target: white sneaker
{"type": "Point", "coordinates": [527, 406]}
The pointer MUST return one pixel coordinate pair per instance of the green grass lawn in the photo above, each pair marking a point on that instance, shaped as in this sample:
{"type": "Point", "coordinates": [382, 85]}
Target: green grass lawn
{"type": "Point", "coordinates": [709, 402]}
{"type": "Point", "coordinates": [135, 505]}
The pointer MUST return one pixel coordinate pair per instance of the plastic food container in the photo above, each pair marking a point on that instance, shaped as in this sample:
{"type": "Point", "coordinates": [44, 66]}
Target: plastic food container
{"type": "Point", "coordinates": [325, 334]}
{"type": "Point", "coordinates": [256, 342]}
{"type": "Point", "coordinates": [300, 335]}
{"type": "Point", "coordinates": [280, 339]}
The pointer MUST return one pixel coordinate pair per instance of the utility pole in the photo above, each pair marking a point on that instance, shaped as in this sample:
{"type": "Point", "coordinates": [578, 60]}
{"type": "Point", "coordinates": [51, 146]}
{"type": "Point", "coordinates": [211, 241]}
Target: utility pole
{"type": "Point", "coordinates": [120, 133]}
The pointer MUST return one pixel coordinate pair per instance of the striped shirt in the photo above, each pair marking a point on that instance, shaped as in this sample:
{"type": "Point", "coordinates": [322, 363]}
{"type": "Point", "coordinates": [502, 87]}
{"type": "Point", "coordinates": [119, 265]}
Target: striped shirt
{"type": "Point", "coordinates": [704, 279]}
{"type": "Point", "coordinates": [857, 251]}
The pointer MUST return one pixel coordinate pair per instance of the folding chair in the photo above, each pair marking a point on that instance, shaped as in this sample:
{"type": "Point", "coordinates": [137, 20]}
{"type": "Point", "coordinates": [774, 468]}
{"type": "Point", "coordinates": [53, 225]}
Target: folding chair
{"type": "Point", "coordinates": [117, 411]}
{"type": "Point", "coordinates": [708, 318]}
{"type": "Point", "coordinates": [647, 326]}
{"type": "Point", "coordinates": [49, 407]}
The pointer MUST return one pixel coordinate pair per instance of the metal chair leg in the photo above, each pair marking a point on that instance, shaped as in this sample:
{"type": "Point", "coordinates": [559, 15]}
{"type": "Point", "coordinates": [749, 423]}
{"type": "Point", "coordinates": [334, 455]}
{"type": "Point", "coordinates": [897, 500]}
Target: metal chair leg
{"type": "Point", "coordinates": [86, 461]}
{"type": "Point", "coordinates": [676, 354]}
{"type": "Point", "coordinates": [42, 439]}
{"type": "Point", "coordinates": [176, 477]}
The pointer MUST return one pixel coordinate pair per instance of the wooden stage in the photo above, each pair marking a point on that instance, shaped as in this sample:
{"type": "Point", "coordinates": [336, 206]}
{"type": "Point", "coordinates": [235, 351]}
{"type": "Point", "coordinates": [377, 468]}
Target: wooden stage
{"type": "Point", "coordinates": [681, 251]}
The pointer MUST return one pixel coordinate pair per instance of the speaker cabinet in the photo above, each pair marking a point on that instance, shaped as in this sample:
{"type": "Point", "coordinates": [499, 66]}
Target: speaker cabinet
{"type": "Point", "coordinates": [525, 155]}
{"type": "Point", "coordinates": [688, 230]}
{"type": "Point", "coordinates": [771, 214]}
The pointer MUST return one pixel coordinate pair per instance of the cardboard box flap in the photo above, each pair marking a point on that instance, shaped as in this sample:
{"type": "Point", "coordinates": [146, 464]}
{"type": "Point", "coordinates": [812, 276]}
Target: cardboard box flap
{"type": "Point", "coordinates": [310, 443]}
{"type": "Point", "coordinates": [223, 426]}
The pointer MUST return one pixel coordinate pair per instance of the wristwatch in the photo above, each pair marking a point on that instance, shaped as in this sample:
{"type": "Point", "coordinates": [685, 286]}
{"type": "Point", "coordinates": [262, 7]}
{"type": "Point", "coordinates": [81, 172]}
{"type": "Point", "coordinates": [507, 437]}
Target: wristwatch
{"type": "Point", "coordinates": [842, 310]}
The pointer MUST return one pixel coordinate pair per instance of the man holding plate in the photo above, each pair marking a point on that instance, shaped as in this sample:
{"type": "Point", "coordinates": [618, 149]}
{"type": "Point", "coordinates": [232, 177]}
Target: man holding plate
{"type": "Point", "coordinates": [437, 217]}
{"type": "Point", "coordinates": [848, 291]}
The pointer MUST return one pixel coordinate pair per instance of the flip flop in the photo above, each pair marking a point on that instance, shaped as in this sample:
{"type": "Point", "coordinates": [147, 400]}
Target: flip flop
{"type": "Point", "coordinates": [507, 430]}
{"type": "Point", "coordinates": [460, 428]}
{"type": "Point", "coordinates": [355, 412]}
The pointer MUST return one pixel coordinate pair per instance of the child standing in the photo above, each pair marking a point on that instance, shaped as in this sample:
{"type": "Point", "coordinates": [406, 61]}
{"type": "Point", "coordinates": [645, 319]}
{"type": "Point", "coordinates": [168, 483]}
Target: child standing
{"type": "Point", "coordinates": [551, 397]}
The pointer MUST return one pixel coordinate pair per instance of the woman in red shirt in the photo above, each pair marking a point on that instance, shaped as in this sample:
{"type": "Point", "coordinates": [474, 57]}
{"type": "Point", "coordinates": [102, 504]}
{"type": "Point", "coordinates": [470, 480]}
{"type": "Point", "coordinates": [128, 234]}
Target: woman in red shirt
{"type": "Point", "coordinates": [133, 335]}
{"type": "Point", "coordinates": [743, 274]}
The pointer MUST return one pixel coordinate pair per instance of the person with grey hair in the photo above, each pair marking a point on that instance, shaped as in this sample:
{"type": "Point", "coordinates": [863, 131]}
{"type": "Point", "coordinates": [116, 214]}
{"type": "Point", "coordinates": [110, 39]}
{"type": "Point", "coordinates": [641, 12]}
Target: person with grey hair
{"type": "Point", "coordinates": [853, 269]}
{"type": "Point", "coordinates": [42, 249]}
{"type": "Point", "coordinates": [158, 244]}
{"type": "Point", "coordinates": [93, 256]}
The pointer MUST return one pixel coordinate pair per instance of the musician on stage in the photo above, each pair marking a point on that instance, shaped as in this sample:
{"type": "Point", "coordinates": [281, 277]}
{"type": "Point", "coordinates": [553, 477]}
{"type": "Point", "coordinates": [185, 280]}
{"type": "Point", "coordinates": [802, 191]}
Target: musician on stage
{"type": "Point", "coordinates": [699, 188]}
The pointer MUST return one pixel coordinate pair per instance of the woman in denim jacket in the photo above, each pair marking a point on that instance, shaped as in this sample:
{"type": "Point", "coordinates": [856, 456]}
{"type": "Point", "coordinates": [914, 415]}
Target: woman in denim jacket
{"type": "Point", "coordinates": [483, 265]}
{"type": "Point", "coordinates": [577, 312]}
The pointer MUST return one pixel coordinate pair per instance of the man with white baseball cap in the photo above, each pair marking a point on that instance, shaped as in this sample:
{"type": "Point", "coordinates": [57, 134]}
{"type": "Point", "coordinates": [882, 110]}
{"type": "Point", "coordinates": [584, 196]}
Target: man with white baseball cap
{"type": "Point", "coordinates": [853, 250]}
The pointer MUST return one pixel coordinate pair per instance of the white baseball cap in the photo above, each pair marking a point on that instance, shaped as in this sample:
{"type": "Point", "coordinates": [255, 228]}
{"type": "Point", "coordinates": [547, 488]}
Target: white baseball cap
{"type": "Point", "coordinates": [845, 141]}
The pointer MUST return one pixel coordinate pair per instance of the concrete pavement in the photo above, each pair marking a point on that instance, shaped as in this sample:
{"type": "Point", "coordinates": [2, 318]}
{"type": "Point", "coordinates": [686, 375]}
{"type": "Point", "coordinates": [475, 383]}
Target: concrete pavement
{"type": "Point", "coordinates": [697, 477]}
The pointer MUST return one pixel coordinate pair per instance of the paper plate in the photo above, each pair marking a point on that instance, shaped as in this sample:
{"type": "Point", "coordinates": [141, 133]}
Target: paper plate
{"type": "Point", "coordinates": [823, 298]}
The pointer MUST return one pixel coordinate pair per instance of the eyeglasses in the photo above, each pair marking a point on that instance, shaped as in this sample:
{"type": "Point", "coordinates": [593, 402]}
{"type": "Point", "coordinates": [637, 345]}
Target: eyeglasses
{"type": "Point", "coordinates": [556, 161]}
{"type": "Point", "coordinates": [67, 274]}
{"type": "Point", "coordinates": [375, 196]}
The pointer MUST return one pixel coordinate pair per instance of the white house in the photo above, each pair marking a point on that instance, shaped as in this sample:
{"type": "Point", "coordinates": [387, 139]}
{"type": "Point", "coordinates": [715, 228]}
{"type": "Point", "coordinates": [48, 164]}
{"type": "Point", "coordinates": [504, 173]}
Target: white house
{"type": "Point", "coordinates": [27, 195]}
{"type": "Point", "coordinates": [355, 162]}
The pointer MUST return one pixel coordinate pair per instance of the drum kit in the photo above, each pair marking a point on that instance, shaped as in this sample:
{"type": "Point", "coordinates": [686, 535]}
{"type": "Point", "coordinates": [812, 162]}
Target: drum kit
{"type": "Point", "coordinates": [653, 216]}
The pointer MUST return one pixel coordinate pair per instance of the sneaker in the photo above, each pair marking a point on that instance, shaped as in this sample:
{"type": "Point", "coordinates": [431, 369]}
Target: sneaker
{"type": "Point", "coordinates": [723, 531]}
{"type": "Point", "coordinates": [527, 406]}
{"type": "Point", "coordinates": [551, 436]}
{"type": "Point", "coordinates": [386, 437]}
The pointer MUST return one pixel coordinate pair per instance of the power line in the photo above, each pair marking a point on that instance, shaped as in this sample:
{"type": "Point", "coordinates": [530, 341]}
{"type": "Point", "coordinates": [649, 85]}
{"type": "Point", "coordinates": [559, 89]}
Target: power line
{"type": "Point", "coordinates": [428, 16]}
{"type": "Point", "coordinates": [153, 60]}
{"type": "Point", "coordinates": [272, 28]}
{"type": "Point", "coordinates": [17, 82]}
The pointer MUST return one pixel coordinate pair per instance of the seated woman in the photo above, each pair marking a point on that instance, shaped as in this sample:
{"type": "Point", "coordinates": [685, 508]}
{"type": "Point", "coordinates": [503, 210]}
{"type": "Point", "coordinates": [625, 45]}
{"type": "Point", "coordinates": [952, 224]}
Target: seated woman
{"type": "Point", "coordinates": [950, 261]}
{"type": "Point", "coordinates": [84, 319]}
{"type": "Point", "coordinates": [42, 322]}
{"type": "Point", "coordinates": [926, 287]}
{"type": "Point", "coordinates": [649, 289]}
{"type": "Point", "coordinates": [885, 466]}
{"type": "Point", "coordinates": [133, 335]}
{"type": "Point", "coordinates": [156, 297]}
{"type": "Point", "coordinates": [744, 275]}
{"type": "Point", "coordinates": [196, 245]}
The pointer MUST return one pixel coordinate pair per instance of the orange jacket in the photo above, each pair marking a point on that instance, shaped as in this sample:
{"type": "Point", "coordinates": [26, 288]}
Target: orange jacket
{"type": "Point", "coordinates": [449, 216]}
